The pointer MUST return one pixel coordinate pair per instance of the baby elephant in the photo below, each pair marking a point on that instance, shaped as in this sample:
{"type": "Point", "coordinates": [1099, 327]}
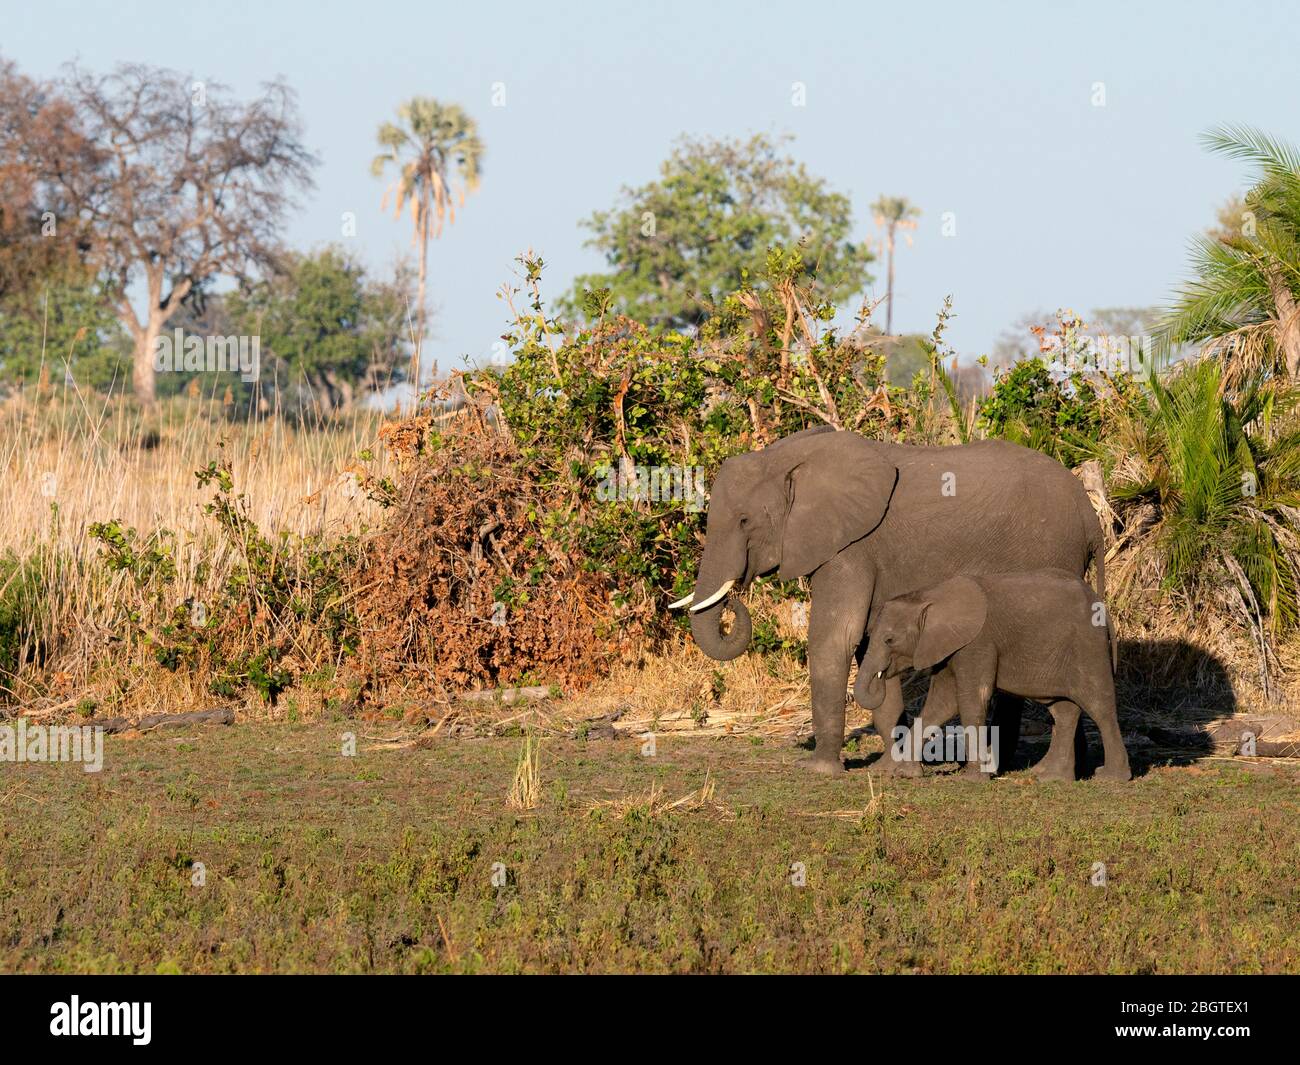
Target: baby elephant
{"type": "Point", "coordinates": [1041, 635]}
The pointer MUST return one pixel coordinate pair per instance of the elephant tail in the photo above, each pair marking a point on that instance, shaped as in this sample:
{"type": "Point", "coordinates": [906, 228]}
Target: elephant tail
{"type": "Point", "coordinates": [1099, 568]}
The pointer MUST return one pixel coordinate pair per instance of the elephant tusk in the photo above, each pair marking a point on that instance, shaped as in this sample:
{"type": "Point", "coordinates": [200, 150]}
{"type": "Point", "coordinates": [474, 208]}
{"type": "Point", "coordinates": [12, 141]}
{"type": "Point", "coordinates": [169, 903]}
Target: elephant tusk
{"type": "Point", "coordinates": [714, 597]}
{"type": "Point", "coordinates": [682, 602]}
{"type": "Point", "coordinates": [880, 674]}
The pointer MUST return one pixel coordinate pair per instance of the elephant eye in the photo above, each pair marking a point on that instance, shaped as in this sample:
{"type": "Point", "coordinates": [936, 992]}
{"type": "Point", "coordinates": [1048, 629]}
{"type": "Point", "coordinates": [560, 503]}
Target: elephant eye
{"type": "Point", "coordinates": [744, 523]}
{"type": "Point", "coordinates": [889, 639]}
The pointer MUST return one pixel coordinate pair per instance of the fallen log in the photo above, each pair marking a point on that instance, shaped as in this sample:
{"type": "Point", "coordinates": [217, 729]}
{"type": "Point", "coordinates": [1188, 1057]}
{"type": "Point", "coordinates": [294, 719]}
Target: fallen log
{"type": "Point", "coordinates": [220, 715]}
{"type": "Point", "coordinates": [1250, 735]}
{"type": "Point", "coordinates": [1276, 749]}
{"type": "Point", "coordinates": [505, 696]}
{"type": "Point", "coordinates": [1274, 732]}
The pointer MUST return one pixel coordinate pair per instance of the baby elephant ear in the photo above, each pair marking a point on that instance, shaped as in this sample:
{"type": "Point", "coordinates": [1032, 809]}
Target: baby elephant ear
{"type": "Point", "coordinates": [952, 616]}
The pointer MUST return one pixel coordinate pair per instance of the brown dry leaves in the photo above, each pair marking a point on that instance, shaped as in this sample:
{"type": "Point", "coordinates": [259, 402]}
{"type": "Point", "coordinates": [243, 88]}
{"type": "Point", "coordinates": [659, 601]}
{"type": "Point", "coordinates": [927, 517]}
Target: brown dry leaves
{"type": "Point", "coordinates": [459, 541]}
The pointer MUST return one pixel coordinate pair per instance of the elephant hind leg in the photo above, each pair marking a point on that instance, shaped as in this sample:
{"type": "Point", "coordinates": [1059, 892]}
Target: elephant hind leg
{"type": "Point", "coordinates": [1116, 766]}
{"type": "Point", "coordinates": [1058, 763]}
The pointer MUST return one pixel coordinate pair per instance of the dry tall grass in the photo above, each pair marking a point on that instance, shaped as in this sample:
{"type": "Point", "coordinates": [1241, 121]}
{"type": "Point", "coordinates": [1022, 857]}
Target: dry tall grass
{"type": "Point", "coordinates": [69, 460]}
{"type": "Point", "coordinates": [526, 788]}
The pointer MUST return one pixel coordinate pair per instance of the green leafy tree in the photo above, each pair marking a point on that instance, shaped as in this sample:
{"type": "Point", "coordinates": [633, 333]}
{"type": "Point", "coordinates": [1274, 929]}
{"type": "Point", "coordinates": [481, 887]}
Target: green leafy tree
{"type": "Point", "coordinates": [325, 327]}
{"type": "Point", "coordinates": [677, 246]}
{"type": "Point", "coordinates": [438, 156]}
{"type": "Point", "coordinates": [67, 328]}
{"type": "Point", "coordinates": [188, 184]}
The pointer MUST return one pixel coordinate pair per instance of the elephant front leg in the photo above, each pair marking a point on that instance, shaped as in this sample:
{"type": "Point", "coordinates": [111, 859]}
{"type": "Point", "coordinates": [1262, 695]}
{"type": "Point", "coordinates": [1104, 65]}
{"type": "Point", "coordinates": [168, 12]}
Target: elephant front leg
{"type": "Point", "coordinates": [973, 706]}
{"type": "Point", "coordinates": [835, 626]}
{"type": "Point", "coordinates": [940, 700]}
{"type": "Point", "coordinates": [902, 757]}
{"type": "Point", "coordinates": [828, 668]}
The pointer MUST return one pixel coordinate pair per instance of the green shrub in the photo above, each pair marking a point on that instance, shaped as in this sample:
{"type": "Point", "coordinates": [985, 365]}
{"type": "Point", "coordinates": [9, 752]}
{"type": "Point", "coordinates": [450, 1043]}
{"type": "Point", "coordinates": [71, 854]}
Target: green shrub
{"type": "Point", "coordinates": [279, 592]}
{"type": "Point", "coordinates": [20, 588]}
{"type": "Point", "coordinates": [1220, 472]}
{"type": "Point", "coordinates": [586, 405]}
{"type": "Point", "coordinates": [1059, 415]}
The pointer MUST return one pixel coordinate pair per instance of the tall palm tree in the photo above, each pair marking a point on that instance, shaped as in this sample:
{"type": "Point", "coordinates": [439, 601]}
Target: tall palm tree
{"type": "Point", "coordinates": [892, 214]}
{"type": "Point", "coordinates": [438, 156]}
{"type": "Point", "coordinates": [1242, 303]}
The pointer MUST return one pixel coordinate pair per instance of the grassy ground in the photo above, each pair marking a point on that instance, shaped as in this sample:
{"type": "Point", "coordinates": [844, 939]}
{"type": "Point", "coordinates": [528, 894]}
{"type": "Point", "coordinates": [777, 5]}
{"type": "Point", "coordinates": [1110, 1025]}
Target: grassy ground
{"type": "Point", "coordinates": [385, 862]}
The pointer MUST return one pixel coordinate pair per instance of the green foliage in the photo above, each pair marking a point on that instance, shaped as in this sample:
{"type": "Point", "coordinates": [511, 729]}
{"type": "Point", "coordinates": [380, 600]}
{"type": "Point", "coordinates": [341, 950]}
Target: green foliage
{"type": "Point", "coordinates": [677, 246]}
{"type": "Point", "coordinates": [323, 321]}
{"type": "Point", "coordinates": [283, 582]}
{"type": "Point", "coordinates": [278, 589]}
{"type": "Point", "coordinates": [1223, 472]}
{"type": "Point", "coordinates": [148, 560]}
{"type": "Point", "coordinates": [1246, 276]}
{"type": "Point", "coordinates": [767, 640]}
{"type": "Point", "coordinates": [1059, 415]}
{"type": "Point", "coordinates": [66, 328]}
{"type": "Point", "coordinates": [590, 405]}
{"type": "Point", "coordinates": [311, 320]}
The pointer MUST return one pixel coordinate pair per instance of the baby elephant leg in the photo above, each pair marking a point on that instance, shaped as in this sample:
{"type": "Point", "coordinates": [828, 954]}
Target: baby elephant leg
{"type": "Point", "coordinates": [1116, 766]}
{"type": "Point", "coordinates": [897, 759]}
{"type": "Point", "coordinates": [1058, 762]}
{"type": "Point", "coordinates": [940, 706]}
{"type": "Point", "coordinates": [973, 704]}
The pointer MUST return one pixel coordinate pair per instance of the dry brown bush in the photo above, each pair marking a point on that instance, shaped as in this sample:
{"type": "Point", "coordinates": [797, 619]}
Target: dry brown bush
{"type": "Point", "coordinates": [462, 538]}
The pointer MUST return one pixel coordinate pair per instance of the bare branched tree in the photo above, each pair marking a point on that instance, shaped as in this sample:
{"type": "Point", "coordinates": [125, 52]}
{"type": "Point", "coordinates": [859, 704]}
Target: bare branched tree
{"type": "Point", "coordinates": [186, 185]}
{"type": "Point", "coordinates": [39, 134]}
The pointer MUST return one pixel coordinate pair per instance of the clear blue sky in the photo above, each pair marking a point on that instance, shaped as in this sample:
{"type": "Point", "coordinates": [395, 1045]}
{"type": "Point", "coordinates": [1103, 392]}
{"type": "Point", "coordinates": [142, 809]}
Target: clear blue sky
{"type": "Point", "coordinates": [984, 110]}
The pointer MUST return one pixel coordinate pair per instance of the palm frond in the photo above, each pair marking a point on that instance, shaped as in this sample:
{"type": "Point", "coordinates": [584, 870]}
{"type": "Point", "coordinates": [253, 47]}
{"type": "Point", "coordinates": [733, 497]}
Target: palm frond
{"type": "Point", "coordinates": [1247, 142]}
{"type": "Point", "coordinates": [436, 140]}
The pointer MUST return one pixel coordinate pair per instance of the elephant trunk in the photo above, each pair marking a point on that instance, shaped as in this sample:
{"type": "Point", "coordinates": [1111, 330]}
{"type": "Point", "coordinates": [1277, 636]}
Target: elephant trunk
{"type": "Point", "coordinates": [706, 627]}
{"type": "Point", "coordinates": [870, 692]}
{"type": "Point", "coordinates": [716, 571]}
{"type": "Point", "coordinates": [869, 688]}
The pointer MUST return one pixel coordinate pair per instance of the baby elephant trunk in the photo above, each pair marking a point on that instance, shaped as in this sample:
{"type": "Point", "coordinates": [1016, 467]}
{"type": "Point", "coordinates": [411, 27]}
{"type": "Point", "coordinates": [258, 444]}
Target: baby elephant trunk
{"type": "Point", "coordinates": [869, 688]}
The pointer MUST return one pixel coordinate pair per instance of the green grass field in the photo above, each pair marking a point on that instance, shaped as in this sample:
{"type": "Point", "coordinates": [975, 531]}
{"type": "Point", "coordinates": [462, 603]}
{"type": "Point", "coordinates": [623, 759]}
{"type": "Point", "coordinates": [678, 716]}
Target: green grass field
{"type": "Point", "coordinates": [385, 862]}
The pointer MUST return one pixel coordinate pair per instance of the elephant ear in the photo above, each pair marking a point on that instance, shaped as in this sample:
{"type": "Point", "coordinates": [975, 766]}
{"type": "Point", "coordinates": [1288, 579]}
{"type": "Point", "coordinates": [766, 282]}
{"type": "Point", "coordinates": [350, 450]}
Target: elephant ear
{"type": "Point", "coordinates": [953, 615]}
{"type": "Point", "coordinates": [838, 488]}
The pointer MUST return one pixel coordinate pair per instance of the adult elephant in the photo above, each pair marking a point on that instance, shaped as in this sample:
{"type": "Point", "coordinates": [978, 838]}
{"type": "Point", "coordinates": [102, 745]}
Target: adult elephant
{"type": "Point", "coordinates": [867, 521]}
